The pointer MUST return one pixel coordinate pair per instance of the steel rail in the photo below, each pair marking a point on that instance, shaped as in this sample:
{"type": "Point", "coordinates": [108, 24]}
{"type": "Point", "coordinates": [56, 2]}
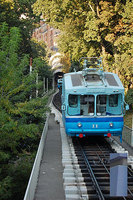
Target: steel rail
{"type": "Point", "coordinates": [104, 164]}
{"type": "Point", "coordinates": [108, 171]}
{"type": "Point", "coordinates": [97, 187]}
{"type": "Point", "coordinates": [55, 103]}
{"type": "Point", "coordinates": [101, 159]}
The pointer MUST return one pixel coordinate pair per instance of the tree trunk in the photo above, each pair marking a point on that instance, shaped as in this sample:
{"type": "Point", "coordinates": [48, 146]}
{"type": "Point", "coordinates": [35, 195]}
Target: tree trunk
{"type": "Point", "coordinates": [105, 64]}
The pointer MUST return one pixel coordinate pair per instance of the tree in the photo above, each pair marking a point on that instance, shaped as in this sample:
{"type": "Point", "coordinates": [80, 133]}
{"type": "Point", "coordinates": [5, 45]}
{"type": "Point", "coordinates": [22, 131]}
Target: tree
{"type": "Point", "coordinates": [69, 17]}
{"type": "Point", "coordinates": [129, 97]}
{"type": "Point", "coordinates": [65, 62]}
{"type": "Point", "coordinates": [38, 49]}
{"type": "Point", "coordinates": [21, 118]}
{"type": "Point", "coordinates": [124, 45]}
{"type": "Point", "coordinates": [19, 13]}
{"type": "Point", "coordinates": [98, 28]}
{"type": "Point", "coordinates": [83, 24]}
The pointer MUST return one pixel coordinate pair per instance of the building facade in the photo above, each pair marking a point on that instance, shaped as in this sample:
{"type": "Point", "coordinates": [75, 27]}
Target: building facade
{"type": "Point", "coordinates": [47, 34]}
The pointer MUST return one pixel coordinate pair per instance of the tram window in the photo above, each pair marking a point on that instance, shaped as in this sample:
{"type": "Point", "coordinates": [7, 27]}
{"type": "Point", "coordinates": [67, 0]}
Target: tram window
{"type": "Point", "coordinates": [91, 100]}
{"type": "Point", "coordinates": [101, 99]}
{"type": "Point", "coordinates": [83, 99]}
{"type": "Point", "coordinates": [87, 105]}
{"type": "Point", "coordinates": [101, 104]}
{"type": "Point", "coordinates": [73, 100]}
{"type": "Point", "coordinates": [113, 100]}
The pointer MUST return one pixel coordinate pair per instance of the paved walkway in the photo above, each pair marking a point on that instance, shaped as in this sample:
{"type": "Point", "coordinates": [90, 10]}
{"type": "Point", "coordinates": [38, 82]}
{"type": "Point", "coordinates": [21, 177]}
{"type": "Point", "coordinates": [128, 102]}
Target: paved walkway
{"type": "Point", "coordinates": [50, 183]}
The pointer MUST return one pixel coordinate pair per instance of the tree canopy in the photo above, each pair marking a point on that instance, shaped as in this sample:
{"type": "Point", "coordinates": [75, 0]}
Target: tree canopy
{"type": "Point", "coordinates": [19, 13]}
{"type": "Point", "coordinates": [102, 28]}
{"type": "Point", "coordinates": [21, 117]}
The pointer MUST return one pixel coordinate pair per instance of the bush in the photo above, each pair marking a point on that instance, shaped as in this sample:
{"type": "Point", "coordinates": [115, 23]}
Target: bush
{"type": "Point", "coordinates": [20, 172]}
{"type": "Point", "coordinates": [129, 98]}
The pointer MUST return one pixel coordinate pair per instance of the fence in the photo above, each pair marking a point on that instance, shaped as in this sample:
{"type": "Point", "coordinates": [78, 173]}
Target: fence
{"type": "Point", "coordinates": [127, 135]}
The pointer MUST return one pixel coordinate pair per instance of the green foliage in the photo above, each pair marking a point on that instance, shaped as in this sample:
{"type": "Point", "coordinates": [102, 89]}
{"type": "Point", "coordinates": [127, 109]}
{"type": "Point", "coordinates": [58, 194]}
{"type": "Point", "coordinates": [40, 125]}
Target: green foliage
{"type": "Point", "coordinates": [94, 28]}
{"type": "Point", "coordinates": [75, 66]}
{"type": "Point", "coordinates": [20, 171]}
{"type": "Point", "coordinates": [21, 117]}
{"type": "Point", "coordinates": [19, 13]}
{"type": "Point", "coordinates": [38, 49]}
{"type": "Point", "coordinates": [5, 188]}
{"type": "Point", "coordinates": [124, 44]}
{"type": "Point", "coordinates": [128, 118]}
{"type": "Point", "coordinates": [129, 97]}
{"type": "Point", "coordinates": [14, 185]}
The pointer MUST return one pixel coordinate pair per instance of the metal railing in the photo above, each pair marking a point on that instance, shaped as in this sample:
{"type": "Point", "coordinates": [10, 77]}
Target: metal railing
{"type": "Point", "coordinates": [30, 191]}
{"type": "Point", "coordinates": [127, 135]}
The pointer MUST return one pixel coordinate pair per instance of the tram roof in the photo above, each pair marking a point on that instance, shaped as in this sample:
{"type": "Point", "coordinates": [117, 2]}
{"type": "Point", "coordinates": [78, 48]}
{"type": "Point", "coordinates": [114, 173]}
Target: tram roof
{"type": "Point", "coordinates": [75, 81]}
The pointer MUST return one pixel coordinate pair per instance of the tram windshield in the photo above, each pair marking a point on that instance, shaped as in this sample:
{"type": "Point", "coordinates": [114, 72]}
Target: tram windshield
{"type": "Point", "coordinates": [109, 104]}
{"type": "Point", "coordinates": [114, 104]}
{"type": "Point", "coordinates": [101, 105]}
{"type": "Point", "coordinates": [87, 103]}
{"type": "Point", "coordinates": [90, 105]}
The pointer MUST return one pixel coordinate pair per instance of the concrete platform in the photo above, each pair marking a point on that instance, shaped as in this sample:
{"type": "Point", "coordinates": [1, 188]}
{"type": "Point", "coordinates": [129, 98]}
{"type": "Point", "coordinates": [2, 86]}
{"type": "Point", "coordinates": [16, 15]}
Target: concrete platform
{"type": "Point", "coordinates": [50, 182]}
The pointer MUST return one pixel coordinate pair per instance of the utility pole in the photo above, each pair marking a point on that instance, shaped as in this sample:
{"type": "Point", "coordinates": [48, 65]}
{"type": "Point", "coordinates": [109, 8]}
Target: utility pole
{"type": "Point", "coordinates": [36, 85]}
{"type": "Point", "coordinates": [53, 83]}
{"type": "Point", "coordinates": [30, 74]}
{"type": "Point", "coordinates": [44, 86]}
{"type": "Point", "coordinates": [47, 84]}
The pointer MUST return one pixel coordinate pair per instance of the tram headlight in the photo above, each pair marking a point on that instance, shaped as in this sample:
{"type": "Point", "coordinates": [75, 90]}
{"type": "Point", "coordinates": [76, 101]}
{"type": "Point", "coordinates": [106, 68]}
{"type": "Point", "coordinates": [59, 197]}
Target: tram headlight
{"type": "Point", "coordinates": [79, 124]}
{"type": "Point", "coordinates": [111, 124]}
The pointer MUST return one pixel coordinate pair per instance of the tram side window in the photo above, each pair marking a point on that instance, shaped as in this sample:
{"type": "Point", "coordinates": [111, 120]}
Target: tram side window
{"type": "Point", "coordinates": [113, 100]}
{"type": "Point", "coordinates": [73, 100]}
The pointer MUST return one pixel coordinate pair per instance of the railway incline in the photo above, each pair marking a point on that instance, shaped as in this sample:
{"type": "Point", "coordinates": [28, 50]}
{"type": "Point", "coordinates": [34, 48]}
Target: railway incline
{"type": "Point", "coordinates": [73, 169]}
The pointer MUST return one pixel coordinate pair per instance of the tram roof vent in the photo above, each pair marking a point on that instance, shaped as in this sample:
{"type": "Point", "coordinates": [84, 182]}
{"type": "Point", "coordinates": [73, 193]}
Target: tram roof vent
{"type": "Point", "coordinates": [111, 80]}
{"type": "Point", "coordinates": [76, 79]}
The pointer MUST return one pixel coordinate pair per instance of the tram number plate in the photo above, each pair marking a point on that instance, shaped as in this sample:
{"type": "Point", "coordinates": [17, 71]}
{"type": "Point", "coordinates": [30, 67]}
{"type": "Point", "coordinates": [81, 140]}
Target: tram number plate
{"type": "Point", "coordinates": [95, 126]}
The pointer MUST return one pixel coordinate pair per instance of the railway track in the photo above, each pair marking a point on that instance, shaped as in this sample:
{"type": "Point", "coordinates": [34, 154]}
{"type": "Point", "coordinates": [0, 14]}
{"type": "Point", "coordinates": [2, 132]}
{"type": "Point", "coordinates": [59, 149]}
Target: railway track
{"type": "Point", "coordinates": [93, 155]}
{"type": "Point", "coordinates": [57, 100]}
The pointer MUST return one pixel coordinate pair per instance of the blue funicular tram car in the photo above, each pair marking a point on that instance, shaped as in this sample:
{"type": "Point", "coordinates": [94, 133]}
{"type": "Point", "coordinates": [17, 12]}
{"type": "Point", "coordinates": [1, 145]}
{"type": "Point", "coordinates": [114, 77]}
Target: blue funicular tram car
{"type": "Point", "coordinates": [59, 83]}
{"type": "Point", "coordinates": [92, 101]}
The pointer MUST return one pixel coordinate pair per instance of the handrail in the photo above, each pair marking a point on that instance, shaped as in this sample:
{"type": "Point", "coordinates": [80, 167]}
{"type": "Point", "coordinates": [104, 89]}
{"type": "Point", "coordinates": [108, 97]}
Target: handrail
{"type": "Point", "coordinates": [128, 127]}
{"type": "Point", "coordinates": [128, 135]}
{"type": "Point", "coordinates": [30, 191]}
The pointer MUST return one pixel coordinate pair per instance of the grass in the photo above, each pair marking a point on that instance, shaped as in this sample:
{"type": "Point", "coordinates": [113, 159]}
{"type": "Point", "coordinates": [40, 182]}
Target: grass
{"type": "Point", "coordinates": [128, 118]}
